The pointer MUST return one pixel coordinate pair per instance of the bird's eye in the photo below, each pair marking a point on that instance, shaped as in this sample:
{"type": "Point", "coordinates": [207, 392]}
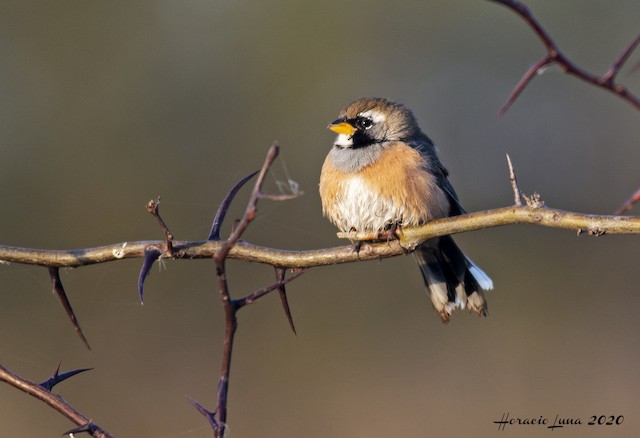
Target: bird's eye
{"type": "Point", "coordinates": [365, 123]}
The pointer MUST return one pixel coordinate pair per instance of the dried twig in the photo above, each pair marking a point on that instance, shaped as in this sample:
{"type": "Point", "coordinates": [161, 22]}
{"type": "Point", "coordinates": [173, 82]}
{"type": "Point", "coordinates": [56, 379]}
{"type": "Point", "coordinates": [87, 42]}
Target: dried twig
{"type": "Point", "coordinates": [517, 194]}
{"type": "Point", "coordinates": [629, 203]}
{"type": "Point", "coordinates": [231, 306]}
{"type": "Point", "coordinates": [534, 212]}
{"type": "Point", "coordinates": [153, 207]}
{"type": "Point", "coordinates": [245, 251]}
{"type": "Point", "coordinates": [555, 56]}
{"type": "Point", "coordinates": [255, 296]}
{"type": "Point", "coordinates": [41, 392]}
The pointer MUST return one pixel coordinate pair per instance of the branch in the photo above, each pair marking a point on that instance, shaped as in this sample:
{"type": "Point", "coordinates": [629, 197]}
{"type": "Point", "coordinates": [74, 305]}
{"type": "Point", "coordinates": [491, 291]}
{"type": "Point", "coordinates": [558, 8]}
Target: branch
{"type": "Point", "coordinates": [41, 392]}
{"type": "Point", "coordinates": [218, 418]}
{"type": "Point", "coordinates": [543, 216]}
{"type": "Point", "coordinates": [534, 212]}
{"type": "Point", "coordinates": [555, 56]}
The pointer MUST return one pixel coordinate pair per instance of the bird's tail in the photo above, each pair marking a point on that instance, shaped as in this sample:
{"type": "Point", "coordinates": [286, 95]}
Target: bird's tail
{"type": "Point", "coordinates": [451, 279]}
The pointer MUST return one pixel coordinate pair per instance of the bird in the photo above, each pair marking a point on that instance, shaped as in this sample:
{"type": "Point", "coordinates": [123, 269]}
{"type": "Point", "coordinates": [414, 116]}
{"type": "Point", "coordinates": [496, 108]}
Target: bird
{"type": "Point", "coordinates": [383, 173]}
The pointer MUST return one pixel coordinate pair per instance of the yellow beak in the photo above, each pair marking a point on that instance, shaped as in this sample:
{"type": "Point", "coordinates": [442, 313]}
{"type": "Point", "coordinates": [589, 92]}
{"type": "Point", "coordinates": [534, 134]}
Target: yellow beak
{"type": "Point", "coordinates": [342, 128]}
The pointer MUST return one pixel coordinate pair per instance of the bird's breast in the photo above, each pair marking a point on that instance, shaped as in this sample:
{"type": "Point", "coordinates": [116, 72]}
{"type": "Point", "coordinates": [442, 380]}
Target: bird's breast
{"type": "Point", "coordinates": [395, 189]}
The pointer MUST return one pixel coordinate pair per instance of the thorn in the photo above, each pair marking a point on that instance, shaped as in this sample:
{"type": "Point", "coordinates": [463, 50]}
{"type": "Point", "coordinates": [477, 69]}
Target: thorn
{"type": "Point", "coordinates": [210, 416]}
{"type": "Point", "coordinates": [517, 194]}
{"type": "Point", "coordinates": [533, 71]}
{"type": "Point", "coordinates": [58, 289]}
{"type": "Point", "coordinates": [150, 256]}
{"type": "Point", "coordinates": [88, 427]}
{"type": "Point", "coordinates": [280, 275]}
{"type": "Point", "coordinates": [56, 377]}
{"type": "Point", "coordinates": [214, 234]}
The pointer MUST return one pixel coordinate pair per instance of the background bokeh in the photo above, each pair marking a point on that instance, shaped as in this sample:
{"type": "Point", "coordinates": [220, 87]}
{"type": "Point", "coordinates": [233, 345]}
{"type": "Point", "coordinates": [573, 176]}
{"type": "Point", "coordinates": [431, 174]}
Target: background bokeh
{"type": "Point", "coordinates": [104, 105]}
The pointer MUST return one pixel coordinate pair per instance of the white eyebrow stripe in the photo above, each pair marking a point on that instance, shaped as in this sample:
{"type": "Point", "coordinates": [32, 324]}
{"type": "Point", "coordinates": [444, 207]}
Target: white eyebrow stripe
{"type": "Point", "coordinates": [374, 115]}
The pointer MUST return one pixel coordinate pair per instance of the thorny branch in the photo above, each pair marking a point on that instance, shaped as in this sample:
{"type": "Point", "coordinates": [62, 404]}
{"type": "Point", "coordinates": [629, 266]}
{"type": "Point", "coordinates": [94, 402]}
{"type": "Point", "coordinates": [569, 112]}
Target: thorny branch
{"type": "Point", "coordinates": [43, 392]}
{"type": "Point", "coordinates": [554, 56]}
{"type": "Point", "coordinates": [245, 251]}
{"type": "Point", "coordinates": [218, 418]}
{"type": "Point", "coordinates": [532, 211]}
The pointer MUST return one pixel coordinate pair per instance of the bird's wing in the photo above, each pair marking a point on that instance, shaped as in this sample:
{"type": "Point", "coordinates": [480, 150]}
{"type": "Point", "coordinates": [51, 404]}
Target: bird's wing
{"type": "Point", "coordinates": [425, 146]}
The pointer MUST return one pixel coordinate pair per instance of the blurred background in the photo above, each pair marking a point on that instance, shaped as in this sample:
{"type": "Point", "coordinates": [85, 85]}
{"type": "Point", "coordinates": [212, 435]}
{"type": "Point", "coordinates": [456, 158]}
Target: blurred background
{"type": "Point", "coordinates": [105, 105]}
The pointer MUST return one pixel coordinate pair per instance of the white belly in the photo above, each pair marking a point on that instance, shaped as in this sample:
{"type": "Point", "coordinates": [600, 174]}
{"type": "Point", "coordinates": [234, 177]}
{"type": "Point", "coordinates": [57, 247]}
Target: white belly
{"type": "Point", "coordinates": [361, 209]}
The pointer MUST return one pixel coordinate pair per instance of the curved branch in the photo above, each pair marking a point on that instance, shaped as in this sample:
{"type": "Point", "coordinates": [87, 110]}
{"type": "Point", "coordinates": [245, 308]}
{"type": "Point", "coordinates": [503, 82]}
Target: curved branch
{"type": "Point", "coordinates": [554, 55]}
{"type": "Point", "coordinates": [548, 217]}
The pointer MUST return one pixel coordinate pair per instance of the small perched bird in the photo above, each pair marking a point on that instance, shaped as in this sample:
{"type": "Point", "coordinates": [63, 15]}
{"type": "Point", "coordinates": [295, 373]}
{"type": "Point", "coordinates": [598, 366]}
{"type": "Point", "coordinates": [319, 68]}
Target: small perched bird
{"type": "Point", "coordinates": [383, 173]}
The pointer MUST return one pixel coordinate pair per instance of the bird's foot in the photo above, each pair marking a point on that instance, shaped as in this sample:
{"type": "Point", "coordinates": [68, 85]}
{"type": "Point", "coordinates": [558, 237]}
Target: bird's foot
{"type": "Point", "coordinates": [391, 232]}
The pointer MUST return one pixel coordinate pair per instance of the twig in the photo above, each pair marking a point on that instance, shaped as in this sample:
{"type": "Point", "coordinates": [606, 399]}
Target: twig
{"type": "Point", "coordinates": [534, 70]}
{"type": "Point", "coordinates": [255, 296]}
{"type": "Point", "coordinates": [55, 401]}
{"type": "Point", "coordinates": [533, 213]}
{"type": "Point", "coordinates": [554, 55]}
{"type": "Point", "coordinates": [615, 68]}
{"type": "Point", "coordinates": [231, 306]}
{"type": "Point", "coordinates": [517, 194]}
{"type": "Point", "coordinates": [629, 203]}
{"type": "Point", "coordinates": [153, 207]}
{"type": "Point", "coordinates": [330, 256]}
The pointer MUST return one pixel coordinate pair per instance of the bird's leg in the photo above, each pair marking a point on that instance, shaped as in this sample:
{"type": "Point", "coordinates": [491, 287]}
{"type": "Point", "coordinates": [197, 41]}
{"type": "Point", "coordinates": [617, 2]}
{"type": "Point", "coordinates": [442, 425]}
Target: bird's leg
{"type": "Point", "coordinates": [357, 245]}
